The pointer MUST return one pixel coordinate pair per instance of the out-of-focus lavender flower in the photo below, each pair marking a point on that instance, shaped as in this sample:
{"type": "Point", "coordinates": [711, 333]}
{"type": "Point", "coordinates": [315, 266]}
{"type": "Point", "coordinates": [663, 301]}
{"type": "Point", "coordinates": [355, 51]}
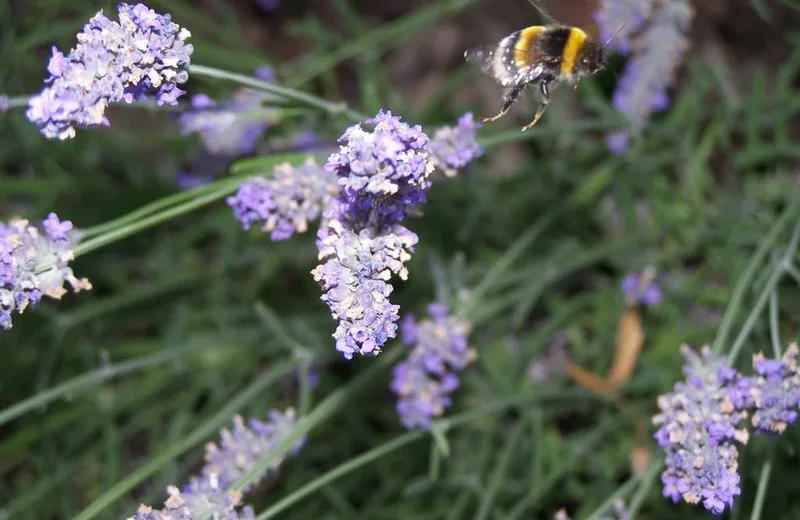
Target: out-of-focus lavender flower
{"type": "Point", "coordinates": [641, 289]}
{"type": "Point", "coordinates": [241, 448]}
{"type": "Point", "coordinates": [286, 202]}
{"type": "Point", "coordinates": [620, 513]}
{"type": "Point", "coordinates": [143, 54]}
{"type": "Point", "coordinates": [268, 5]}
{"type": "Point", "coordinates": [202, 498]}
{"type": "Point", "coordinates": [452, 148]}
{"type": "Point", "coordinates": [35, 262]}
{"type": "Point", "coordinates": [699, 424]}
{"type": "Point", "coordinates": [773, 395]}
{"type": "Point", "coordinates": [620, 20]}
{"type": "Point", "coordinates": [425, 380]}
{"type": "Point", "coordinates": [188, 180]}
{"type": "Point", "coordinates": [207, 495]}
{"type": "Point", "coordinates": [618, 142]}
{"type": "Point", "coordinates": [659, 51]}
{"type": "Point", "coordinates": [233, 127]}
{"type": "Point", "coordinates": [552, 362]}
{"type": "Point", "coordinates": [5, 103]}
{"type": "Point", "coordinates": [382, 174]}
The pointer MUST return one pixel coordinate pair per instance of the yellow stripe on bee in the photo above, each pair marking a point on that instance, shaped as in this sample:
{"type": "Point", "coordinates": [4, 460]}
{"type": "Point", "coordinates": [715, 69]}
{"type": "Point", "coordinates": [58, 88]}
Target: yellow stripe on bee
{"type": "Point", "coordinates": [522, 49]}
{"type": "Point", "coordinates": [571, 50]}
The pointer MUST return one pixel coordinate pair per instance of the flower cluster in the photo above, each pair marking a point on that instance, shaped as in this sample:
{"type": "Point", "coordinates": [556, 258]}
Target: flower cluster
{"type": "Point", "coordinates": [699, 424]}
{"type": "Point", "coordinates": [144, 53]}
{"type": "Point", "coordinates": [34, 262]}
{"type": "Point", "coordinates": [207, 496]}
{"type": "Point", "coordinates": [641, 289]}
{"type": "Point", "coordinates": [381, 173]}
{"type": "Point", "coordinates": [620, 513]}
{"type": "Point", "coordinates": [286, 202]}
{"type": "Point", "coordinates": [773, 394]}
{"type": "Point", "coordinates": [656, 40]}
{"type": "Point", "coordinates": [233, 127]}
{"type": "Point", "coordinates": [452, 148]}
{"type": "Point", "coordinates": [425, 380]}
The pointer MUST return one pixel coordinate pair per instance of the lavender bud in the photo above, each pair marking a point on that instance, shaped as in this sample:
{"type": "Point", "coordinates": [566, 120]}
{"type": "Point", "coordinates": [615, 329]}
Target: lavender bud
{"type": "Point", "coordinates": [426, 379]}
{"type": "Point", "coordinates": [288, 201]}
{"type": "Point", "coordinates": [452, 148]}
{"type": "Point", "coordinates": [35, 262]}
{"type": "Point", "coordinates": [144, 53]}
{"type": "Point", "coordinates": [699, 424]}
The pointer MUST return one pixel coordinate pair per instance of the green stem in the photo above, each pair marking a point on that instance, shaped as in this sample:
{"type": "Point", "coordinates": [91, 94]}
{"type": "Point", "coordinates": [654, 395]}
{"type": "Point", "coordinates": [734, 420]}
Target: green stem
{"type": "Point", "coordinates": [747, 278]}
{"type": "Point", "coordinates": [84, 382]}
{"type": "Point", "coordinates": [198, 435]}
{"type": "Point", "coordinates": [131, 228]}
{"type": "Point", "coordinates": [407, 438]}
{"type": "Point", "coordinates": [647, 482]}
{"type": "Point", "coordinates": [284, 92]}
{"type": "Point", "coordinates": [774, 331]}
{"type": "Point", "coordinates": [761, 491]}
{"type": "Point", "coordinates": [18, 102]}
{"type": "Point", "coordinates": [778, 271]}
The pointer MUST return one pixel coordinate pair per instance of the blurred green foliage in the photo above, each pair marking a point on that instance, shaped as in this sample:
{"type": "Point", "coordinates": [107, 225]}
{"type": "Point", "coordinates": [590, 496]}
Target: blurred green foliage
{"type": "Point", "coordinates": [192, 320]}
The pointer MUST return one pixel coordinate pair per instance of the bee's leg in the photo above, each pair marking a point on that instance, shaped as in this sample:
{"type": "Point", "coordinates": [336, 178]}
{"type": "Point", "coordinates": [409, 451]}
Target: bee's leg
{"type": "Point", "coordinates": [542, 107]}
{"type": "Point", "coordinates": [509, 98]}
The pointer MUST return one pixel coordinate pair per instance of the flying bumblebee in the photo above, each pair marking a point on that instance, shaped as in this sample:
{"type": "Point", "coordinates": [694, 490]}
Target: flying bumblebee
{"type": "Point", "coordinates": [541, 55]}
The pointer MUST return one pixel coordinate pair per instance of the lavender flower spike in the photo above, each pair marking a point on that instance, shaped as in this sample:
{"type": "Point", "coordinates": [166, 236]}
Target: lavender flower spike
{"type": "Point", "coordinates": [287, 202]}
{"type": "Point", "coordinates": [699, 424]}
{"type": "Point", "coordinates": [206, 496]}
{"type": "Point", "coordinates": [241, 448]}
{"type": "Point", "coordinates": [773, 395]}
{"type": "Point", "coordinates": [620, 20]}
{"type": "Point", "coordinates": [144, 53]}
{"type": "Point", "coordinates": [382, 173]}
{"type": "Point", "coordinates": [643, 87]}
{"type": "Point", "coordinates": [35, 262]}
{"type": "Point", "coordinates": [452, 148]}
{"type": "Point", "coordinates": [426, 379]}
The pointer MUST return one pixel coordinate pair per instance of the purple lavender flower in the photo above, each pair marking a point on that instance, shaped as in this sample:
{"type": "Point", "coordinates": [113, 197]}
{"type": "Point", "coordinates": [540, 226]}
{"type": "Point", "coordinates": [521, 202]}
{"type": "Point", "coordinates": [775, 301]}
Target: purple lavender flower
{"type": "Point", "coordinates": [620, 20]}
{"type": "Point", "coordinates": [773, 395]}
{"type": "Point", "coordinates": [287, 201]}
{"type": "Point", "coordinates": [241, 448]}
{"type": "Point", "coordinates": [144, 53]}
{"type": "Point", "coordinates": [381, 174]}
{"type": "Point", "coordinates": [354, 277]}
{"type": "Point", "coordinates": [5, 103]}
{"type": "Point", "coordinates": [699, 424]}
{"type": "Point", "coordinates": [641, 289]}
{"type": "Point", "coordinates": [34, 262]}
{"type": "Point", "coordinates": [203, 498]}
{"type": "Point", "coordinates": [620, 513]}
{"type": "Point", "coordinates": [660, 50]}
{"type": "Point", "coordinates": [452, 148]}
{"type": "Point", "coordinates": [206, 496]}
{"type": "Point", "coordinates": [233, 127]}
{"type": "Point", "coordinates": [426, 379]}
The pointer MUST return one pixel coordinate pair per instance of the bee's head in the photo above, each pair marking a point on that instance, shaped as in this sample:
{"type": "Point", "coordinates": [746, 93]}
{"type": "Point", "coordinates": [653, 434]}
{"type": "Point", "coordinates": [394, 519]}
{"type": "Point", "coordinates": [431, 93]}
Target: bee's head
{"type": "Point", "coordinates": [592, 59]}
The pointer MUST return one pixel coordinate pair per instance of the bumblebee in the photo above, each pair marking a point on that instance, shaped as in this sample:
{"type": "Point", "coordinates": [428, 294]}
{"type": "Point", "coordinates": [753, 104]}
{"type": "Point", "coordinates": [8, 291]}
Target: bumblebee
{"type": "Point", "coordinates": [544, 56]}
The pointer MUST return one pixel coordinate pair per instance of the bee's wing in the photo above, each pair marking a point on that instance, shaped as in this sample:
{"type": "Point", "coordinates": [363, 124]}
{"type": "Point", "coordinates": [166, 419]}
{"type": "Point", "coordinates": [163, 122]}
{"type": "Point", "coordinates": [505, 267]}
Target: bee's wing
{"type": "Point", "coordinates": [483, 57]}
